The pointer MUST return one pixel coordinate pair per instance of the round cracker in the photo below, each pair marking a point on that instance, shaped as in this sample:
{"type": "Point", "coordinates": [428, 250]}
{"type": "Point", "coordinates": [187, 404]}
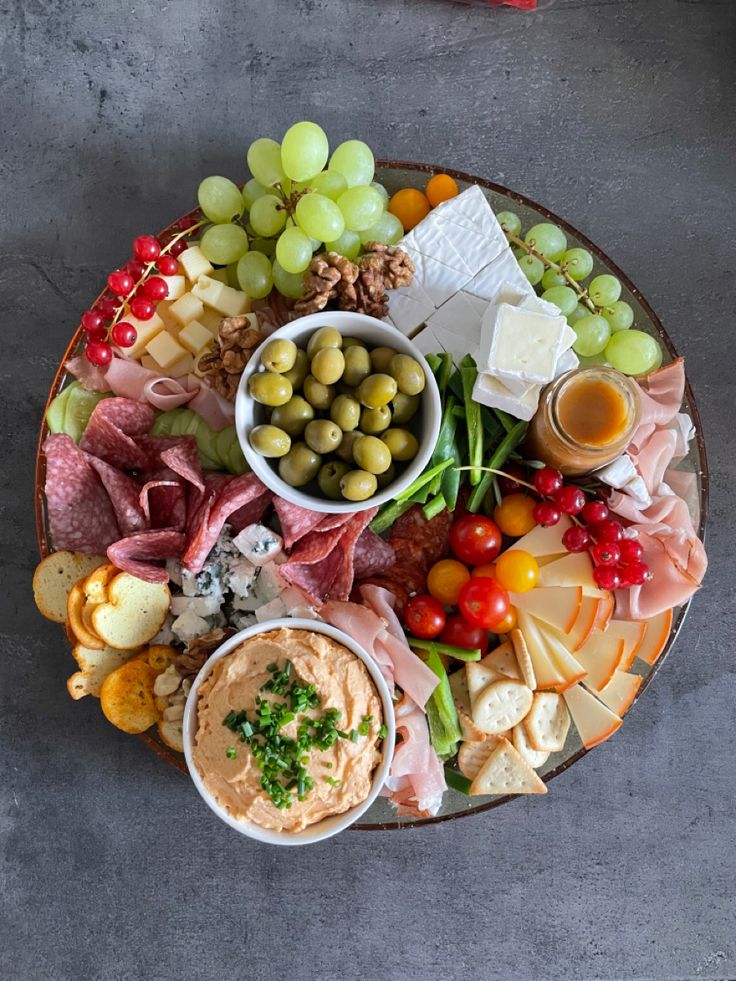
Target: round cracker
{"type": "Point", "coordinates": [126, 697]}
{"type": "Point", "coordinates": [54, 577]}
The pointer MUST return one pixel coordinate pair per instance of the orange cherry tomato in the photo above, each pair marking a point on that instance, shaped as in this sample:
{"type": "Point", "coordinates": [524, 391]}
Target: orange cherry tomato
{"type": "Point", "coordinates": [508, 623]}
{"type": "Point", "coordinates": [514, 515]}
{"type": "Point", "coordinates": [445, 580]}
{"type": "Point", "coordinates": [487, 571]}
{"type": "Point", "coordinates": [517, 570]}
{"type": "Point", "coordinates": [441, 188]}
{"type": "Point", "coordinates": [409, 206]}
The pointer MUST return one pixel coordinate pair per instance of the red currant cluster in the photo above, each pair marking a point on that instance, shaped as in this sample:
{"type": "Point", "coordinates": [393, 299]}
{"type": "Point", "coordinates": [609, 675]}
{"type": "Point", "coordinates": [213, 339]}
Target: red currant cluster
{"type": "Point", "coordinates": [617, 559]}
{"type": "Point", "coordinates": [134, 285]}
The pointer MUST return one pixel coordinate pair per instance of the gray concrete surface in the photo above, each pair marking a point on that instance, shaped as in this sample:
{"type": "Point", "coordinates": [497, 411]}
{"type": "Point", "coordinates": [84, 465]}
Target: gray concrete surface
{"type": "Point", "coordinates": [619, 114]}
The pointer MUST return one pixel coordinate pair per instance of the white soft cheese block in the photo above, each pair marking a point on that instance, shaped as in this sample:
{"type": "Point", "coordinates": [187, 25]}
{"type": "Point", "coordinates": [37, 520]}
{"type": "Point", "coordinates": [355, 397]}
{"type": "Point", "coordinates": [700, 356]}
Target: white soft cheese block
{"type": "Point", "coordinates": [457, 325]}
{"type": "Point", "coordinates": [187, 307]}
{"type": "Point", "coordinates": [567, 361]}
{"type": "Point", "coordinates": [176, 286]}
{"type": "Point", "coordinates": [520, 346]}
{"type": "Point", "coordinates": [493, 393]}
{"type": "Point", "coordinates": [471, 209]}
{"type": "Point", "coordinates": [438, 280]}
{"type": "Point", "coordinates": [503, 268]}
{"type": "Point", "coordinates": [409, 307]}
{"type": "Point", "coordinates": [194, 263]}
{"type": "Point", "coordinates": [428, 342]}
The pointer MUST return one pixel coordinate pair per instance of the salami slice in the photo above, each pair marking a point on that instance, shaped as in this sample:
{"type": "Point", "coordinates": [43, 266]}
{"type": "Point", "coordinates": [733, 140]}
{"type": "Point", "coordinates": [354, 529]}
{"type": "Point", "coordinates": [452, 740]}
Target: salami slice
{"type": "Point", "coordinates": [351, 532]}
{"type": "Point", "coordinates": [183, 458]}
{"type": "Point", "coordinates": [124, 495]}
{"type": "Point", "coordinates": [330, 521]}
{"type": "Point", "coordinates": [250, 513]}
{"type": "Point", "coordinates": [234, 495]}
{"type": "Point", "coordinates": [164, 503]}
{"type": "Point", "coordinates": [80, 515]}
{"type": "Point", "coordinates": [372, 555]}
{"type": "Point", "coordinates": [314, 578]}
{"type": "Point", "coordinates": [295, 521]}
{"type": "Point", "coordinates": [110, 431]}
{"type": "Point", "coordinates": [136, 553]}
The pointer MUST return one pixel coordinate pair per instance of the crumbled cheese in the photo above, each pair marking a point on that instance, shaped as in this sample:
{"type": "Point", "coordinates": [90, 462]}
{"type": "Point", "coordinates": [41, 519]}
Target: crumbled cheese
{"type": "Point", "coordinates": [165, 634]}
{"type": "Point", "coordinates": [240, 577]}
{"type": "Point", "coordinates": [258, 544]}
{"type": "Point", "coordinates": [271, 611]}
{"type": "Point", "coordinates": [201, 606]}
{"type": "Point", "coordinates": [269, 583]}
{"type": "Point", "coordinates": [188, 626]}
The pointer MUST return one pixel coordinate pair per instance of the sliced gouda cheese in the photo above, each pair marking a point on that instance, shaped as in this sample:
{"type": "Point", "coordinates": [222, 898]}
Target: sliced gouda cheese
{"type": "Point", "coordinates": [594, 721]}
{"type": "Point", "coordinates": [620, 691]}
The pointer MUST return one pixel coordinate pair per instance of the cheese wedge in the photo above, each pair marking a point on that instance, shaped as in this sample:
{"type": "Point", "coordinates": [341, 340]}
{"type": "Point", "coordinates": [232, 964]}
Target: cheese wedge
{"type": "Point", "coordinates": [620, 691]}
{"type": "Point", "coordinates": [559, 606]}
{"type": "Point", "coordinates": [656, 637]}
{"type": "Point", "coordinates": [545, 672]}
{"type": "Point", "coordinates": [573, 569]}
{"type": "Point", "coordinates": [566, 665]}
{"type": "Point", "coordinates": [594, 721]}
{"type": "Point", "coordinates": [631, 632]}
{"type": "Point", "coordinates": [606, 606]}
{"type": "Point", "coordinates": [541, 541]}
{"type": "Point", "coordinates": [600, 656]}
{"type": "Point", "coordinates": [583, 627]}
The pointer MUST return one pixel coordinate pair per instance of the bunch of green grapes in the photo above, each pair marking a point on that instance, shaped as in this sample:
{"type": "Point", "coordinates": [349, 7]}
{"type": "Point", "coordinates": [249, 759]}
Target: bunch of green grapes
{"type": "Point", "coordinates": [602, 321]}
{"type": "Point", "coordinates": [299, 200]}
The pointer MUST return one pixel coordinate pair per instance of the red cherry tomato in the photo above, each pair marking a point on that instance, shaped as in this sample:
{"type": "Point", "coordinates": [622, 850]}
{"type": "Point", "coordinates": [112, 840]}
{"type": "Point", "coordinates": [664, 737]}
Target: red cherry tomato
{"type": "Point", "coordinates": [424, 617]}
{"type": "Point", "coordinates": [475, 539]}
{"type": "Point", "coordinates": [483, 602]}
{"type": "Point", "coordinates": [460, 633]}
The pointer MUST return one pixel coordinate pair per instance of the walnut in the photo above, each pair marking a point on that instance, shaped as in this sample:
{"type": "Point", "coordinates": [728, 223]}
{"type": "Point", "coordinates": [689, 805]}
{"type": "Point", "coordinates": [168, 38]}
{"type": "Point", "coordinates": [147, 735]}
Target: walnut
{"type": "Point", "coordinates": [329, 274]}
{"type": "Point", "coordinates": [237, 339]}
{"type": "Point", "coordinates": [199, 650]}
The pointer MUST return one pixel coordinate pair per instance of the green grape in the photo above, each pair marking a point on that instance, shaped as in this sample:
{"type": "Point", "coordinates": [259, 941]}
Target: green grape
{"type": "Point", "coordinates": [510, 222]}
{"type": "Point", "coordinates": [266, 246]}
{"type": "Point", "coordinates": [264, 162]}
{"type": "Point", "coordinates": [604, 290]}
{"type": "Point", "coordinates": [319, 217]}
{"type": "Point", "coordinates": [223, 244]}
{"type": "Point", "coordinates": [532, 268]}
{"type": "Point", "coordinates": [387, 230]}
{"type": "Point", "coordinates": [381, 190]}
{"type": "Point", "coordinates": [254, 275]}
{"type": "Point", "coordinates": [593, 334]}
{"type": "Point", "coordinates": [633, 352]}
{"type": "Point", "coordinates": [267, 216]}
{"type": "Point", "coordinates": [232, 275]}
{"type": "Point", "coordinates": [577, 314]}
{"type": "Point", "coordinates": [578, 264]}
{"type": "Point", "coordinates": [348, 245]}
{"type": "Point", "coordinates": [548, 240]}
{"type": "Point", "coordinates": [361, 207]}
{"type": "Point", "coordinates": [220, 199]}
{"type": "Point", "coordinates": [328, 182]}
{"type": "Point", "coordinates": [593, 360]}
{"type": "Point", "coordinates": [304, 151]}
{"type": "Point", "coordinates": [563, 297]}
{"type": "Point", "coordinates": [619, 315]}
{"type": "Point", "coordinates": [552, 278]}
{"type": "Point", "coordinates": [287, 284]}
{"type": "Point", "coordinates": [252, 191]}
{"type": "Point", "coordinates": [294, 250]}
{"type": "Point", "coordinates": [354, 160]}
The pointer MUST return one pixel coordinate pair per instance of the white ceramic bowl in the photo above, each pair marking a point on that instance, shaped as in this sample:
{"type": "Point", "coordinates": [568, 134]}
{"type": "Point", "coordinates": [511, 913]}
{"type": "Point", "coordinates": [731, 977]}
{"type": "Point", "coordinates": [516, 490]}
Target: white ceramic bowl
{"type": "Point", "coordinates": [426, 423]}
{"type": "Point", "coordinates": [331, 825]}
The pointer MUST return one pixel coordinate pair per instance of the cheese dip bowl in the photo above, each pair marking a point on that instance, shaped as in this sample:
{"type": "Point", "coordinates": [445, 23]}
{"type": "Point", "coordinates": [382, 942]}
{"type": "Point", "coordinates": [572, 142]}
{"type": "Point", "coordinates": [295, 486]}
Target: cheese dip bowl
{"type": "Point", "coordinates": [339, 711]}
{"type": "Point", "coordinates": [424, 425]}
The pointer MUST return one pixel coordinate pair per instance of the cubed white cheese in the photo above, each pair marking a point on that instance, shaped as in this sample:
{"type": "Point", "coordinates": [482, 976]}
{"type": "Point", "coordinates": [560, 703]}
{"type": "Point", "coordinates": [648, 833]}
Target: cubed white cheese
{"type": "Point", "coordinates": [409, 307]}
{"type": "Point", "coordinates": [471, 209]}
{"type": "Point", "coordinates": [195, 337]}
{"type": "Point", "coordinates": [211, 319]}
{"type": "Point", "coordinates": [165, 350]}
{"type": "Point", "coordinates": [201, 606]}
{"type": "Point", "coordinates": [173, 567]}
{"type": "Point", "coordinates": [194, 263]}
{"type": "Point", "coordinates": [176, 286]}
{"type": "Point", "coordinates": [187, 307]}
{"type": "Point", "coordinates": [258, 544]}
{"type": "Point", "coordinates": [188, 626]}
{"type": "Point", "coordinates": [438, 280]}
{"type": "Point", "coordinates": [182, 366]}
{"type": "Point", "coordinates": [269, 583]}
{"type": "Point", "coordinates": [297, 604]}
{"type": "Point", "coordinates": [520, 347]}
{"type": "Point", "coordinates": [146, 331]}
{"type": "Point", "coordinates": [428, 342]}
{"type": "Point", "coordinates": [493, 393]}
{"type": "Point", "coordinates": [490, 277]}
{"type": "Point", "coordinates": [271, 611]}
{"type": "Point", "coordinates": [242, 620]}
{"type": "Point", "coordinates": [224, 299]}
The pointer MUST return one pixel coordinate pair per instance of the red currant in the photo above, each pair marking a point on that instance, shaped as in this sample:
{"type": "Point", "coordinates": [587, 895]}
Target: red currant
{"type": "Point", "coordinates": [576, 539]}
{"type": "Point", "coordinates": [120, 282]}
{"type": "Point", "coordinates": [606, 553]}
{"type": "Point", "coordinates": [186, 222]}
{"type": "Point", "coordinates": [638, 573]}
{"type": "Point", "coordinates": [607, 577]}
{"type": "Point", "coordinates": [92, 321]}
{"type": "Point", "coordinates": [546, 514]}
{"type": "Point", "coordinates": [124, 334]}
{"type": "Point", "coordinates": [98, 353]}
{"type": "Point", "coordinates": [547, 481]}
{"type": "Point", "coordinates": [594, 512]}
{"type": "Point", "coordinates": [146, 248]}
{"type": "Point", "coordinates": [107, 306]}
{"type": "Point", "coordinates": [631, 550]}
{"type": "Point", "coordinates": [178, 247]}
{"type": "Point", "coordinates": [609, 531]}
{"type": "Point", "coordinates": [509, 483]}
{"type": "Point", "coordinates": [155, 289]}
{"type": "Point", "coordinates": [142, 308]}
{"type": "Point", "coordinates": [570, 499]}
{"type": "Point", "coordinates": [136, 268]}
{"type": "Point", "coordinates": [167, 265]}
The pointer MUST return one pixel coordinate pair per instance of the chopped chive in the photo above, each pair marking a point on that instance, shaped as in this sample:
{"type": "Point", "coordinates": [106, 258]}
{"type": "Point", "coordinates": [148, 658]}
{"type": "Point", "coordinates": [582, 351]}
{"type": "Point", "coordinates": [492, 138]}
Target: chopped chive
{"type": "Point", "coordinates": [231, 752]}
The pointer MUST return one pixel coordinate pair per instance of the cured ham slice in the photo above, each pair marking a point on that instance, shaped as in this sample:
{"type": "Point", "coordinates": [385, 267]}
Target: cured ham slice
{"type": "Point", "coordinates": [137, 554]}
{"type": "Point", "coordinates": [416, 781]}
{"type": "Point", "coordinates": [216, 411]}
{"type": "Point", "coordinates": [110, 431]}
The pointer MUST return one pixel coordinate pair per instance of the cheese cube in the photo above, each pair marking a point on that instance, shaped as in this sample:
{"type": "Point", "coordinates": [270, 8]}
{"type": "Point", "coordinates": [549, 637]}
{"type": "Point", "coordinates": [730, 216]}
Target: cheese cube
{"type": "Point", "coordinates": [146, 330]}
{"type": "Point", "coordinates": [194, 263]}
{"type": "Point", "coordinates": [177, 286]}
{"type": "Point", "coordinates": [567, 361]}
{"type": "Point", "coordinates": [173, 326]}
{"type": "Point", "coordinates": [195, 337]}
{"type": "Point", "coordinates": [493, 393]}
{"type": "Point", "coordinates": [428, 342]}
{"type": "Point", "coordinates": [186, 308]}
{"type": "Point", "coordinates": [165, 350]}
{"type": "Point", "coordinates": [520, 346]}
{"type": "Point", "coordinates": [211, 319]}
{"type": "Point", "coordinates": [220, 275]}
{"type": "Point", "coordinates": [184, 366]}
{"type": "Point", "coordinates": [258, 544]}
{"type": "Point", "coordinates": [224, 299]}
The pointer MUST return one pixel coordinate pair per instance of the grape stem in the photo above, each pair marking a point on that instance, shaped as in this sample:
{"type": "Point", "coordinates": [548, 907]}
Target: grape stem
{"type": "Point", "coordinates": [583, 295]}
{"type": "Point", "coordinates": [290, 201]}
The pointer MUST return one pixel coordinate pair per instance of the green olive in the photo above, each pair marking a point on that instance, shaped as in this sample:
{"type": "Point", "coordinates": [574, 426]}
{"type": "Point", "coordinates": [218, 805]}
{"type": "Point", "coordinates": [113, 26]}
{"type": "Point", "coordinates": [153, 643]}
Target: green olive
{"type": "Point", "coordinates": [330, 476]}
{"type": "Point", "coordinates": [328, 365]}
{"type": "Point", "coordinates": [270, 389]}
{"type": "Point", "coordinates": [279, 355]}
{"type": "Point", "coordinates": [376, 390]}
{"type": "Point", "coordinates": [322, 338]}
{"type": "Point", "coordinates": [345, 449]}
{"type": "Point", "coordinates": [293, 416]}
{"type": "Point", "coordinates": [299, 371]}
{"type": "Point", "coordinates": [270, 441]}
{"type": "Point", "coordinates": [357, 365]}
{"type": "Point", "coordinates": [345, 411]}
{"type": "Point", "coordinates": [402, 444]}
{"type": "Point", "coordinates": [385, 478]}
{"type": "Point", "coordinates": [343, 389]}
{"type": "Point", "coordinates": [318, 395]}
{"type": "Point", "coordinates": [371, 454]}
{"type": "Point", "coordinates": [381, 358]}
{"type": "Point", "coordinates": [322, 436]}
{"type": "Point", "coordinates": [300, 465]}
{"type": "Point", "coordinates": [352, 342]}
{"type": "Point", "coordinates": [404, 407]}
{"type": "Point", "coordinates": [408, 373]}
{"type": "Point", "coordinates": [375, 421]}
{"type": "Point", "coordinates": [358, 485]}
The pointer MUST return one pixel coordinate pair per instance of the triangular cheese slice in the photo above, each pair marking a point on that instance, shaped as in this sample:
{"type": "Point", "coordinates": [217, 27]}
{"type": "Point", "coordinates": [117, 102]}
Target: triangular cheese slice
{"type": "Point", "coordinates": [559, 606]}
{"type": "Point", "coordinates": [507, 772]}
{"type": "Point", "coordinates": [584, 625]}
{"type": "Point", "coordinates": [606, 606]}
{"type": "Point", "coordinates": [567, 665]}
{"type": "Point", "coordinates": [545, 672]}
{"type": "Point", "coordinates": [541, 541]}
{"type": "Point", "coordinates": [656, 637]}
{"type": "Point", "coordinates": [593, 720]}
{"type": "Point", "coordinates": [620, 691]}
{"type": "Point", "coordinates": [631, 632]}
{"type": "Point", "coordinates": [600, 656]}
{"type": "Point", "coordinates": [479, 676]}
{"type": "Point", "coordinates": [503, 660]}
{"type": "Point", "coordinates": [573, 569]}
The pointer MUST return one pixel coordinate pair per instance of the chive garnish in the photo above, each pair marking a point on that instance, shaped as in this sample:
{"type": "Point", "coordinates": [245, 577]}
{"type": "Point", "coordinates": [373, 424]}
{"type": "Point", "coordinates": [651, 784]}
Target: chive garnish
{"type": "Point", "coordinates": [231, 752]}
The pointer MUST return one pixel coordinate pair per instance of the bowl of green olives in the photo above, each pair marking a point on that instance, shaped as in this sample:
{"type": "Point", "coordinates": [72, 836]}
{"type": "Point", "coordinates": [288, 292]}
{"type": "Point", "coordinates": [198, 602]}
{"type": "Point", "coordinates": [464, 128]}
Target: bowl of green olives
{"type": "Point", "coordinates": [337, 412]}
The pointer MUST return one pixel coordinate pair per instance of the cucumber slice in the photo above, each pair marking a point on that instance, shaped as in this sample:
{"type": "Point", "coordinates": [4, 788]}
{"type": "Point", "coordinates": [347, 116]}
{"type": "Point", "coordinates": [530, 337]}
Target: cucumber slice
{"type": "Point", "coordinates": [164, 422]}
{"type": "Point", "coordinates": [208, 463]}
{"type": "Point", "coordinates": [223, 444]}
{"type": "Point", "coordinates": [57, 408]}
{"type": "Point", "coordinates": [236, 462]}
{"type": "Point", "coordinates": [79, 407]}
{"type": "Point", "coordinates": [182, 422]}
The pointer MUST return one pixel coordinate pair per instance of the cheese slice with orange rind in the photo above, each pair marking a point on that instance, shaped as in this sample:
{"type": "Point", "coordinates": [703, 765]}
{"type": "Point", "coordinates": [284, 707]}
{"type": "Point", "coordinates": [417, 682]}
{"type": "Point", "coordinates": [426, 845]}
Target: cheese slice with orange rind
{"type": "Point", "coordinates": [606, 606]}
{"type": "Point", "coordinates": [566, 664]}
{"type": "Point", "coordinates": [594, 721]}
{"type": "Point", "coordinates": [542, 542]}
{"type": "Point", "coordinates": [583, 627]}
{"type": "Point", "coordinates": [558, 606]}
{"type": "Point", "coordinates": [631, 632]}
{"type": "Point", "coordinates": [545, 672]}
{"type": "Point", "coordinates": [656, 637]}
{"type": "Point", "coordinates": [600, 656]}
{"type": "Point", "coordinates": [620, 691]}
{"type": "Point", "coordinates": [573, 569]}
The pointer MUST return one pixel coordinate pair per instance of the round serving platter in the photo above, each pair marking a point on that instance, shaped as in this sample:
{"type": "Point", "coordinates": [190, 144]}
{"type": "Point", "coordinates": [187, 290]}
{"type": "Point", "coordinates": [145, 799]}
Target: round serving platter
{"type": "Point", "coordinates": [395, 175]}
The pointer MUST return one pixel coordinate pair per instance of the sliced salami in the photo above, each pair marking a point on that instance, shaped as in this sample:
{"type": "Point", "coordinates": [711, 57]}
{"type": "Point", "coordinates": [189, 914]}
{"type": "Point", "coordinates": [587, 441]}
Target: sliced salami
{"type": "Point", "coordinates": [164, 503]}
{"type": "Point", "coordinates": [330, 521]}
{"type": "Point", "coordinates": [250, 513]}
{"type": "Point", "coordinates": [124, 495]}
{"type": "Point", "coordinates": [110, 431]}
{"type": "Point", "coordinates": [314, 578]}
{"type": "Point", "coordinates": [183, 458]}
{"type": "Point", "coordinates": [351, 532]}
{"type": "Point", "coordinates": [234, 495]}
{"type": "Point", "coordinates": [372, 555]}
{"type": "Point", "coordinates": [295, 521]}
{"type": "Point", "coordinates": [137, 553]}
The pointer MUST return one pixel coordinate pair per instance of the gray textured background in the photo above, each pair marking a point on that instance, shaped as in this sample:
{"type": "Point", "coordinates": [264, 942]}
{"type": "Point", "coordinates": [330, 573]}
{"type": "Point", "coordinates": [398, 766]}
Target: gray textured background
{"type": "Point", "coordinates": [618, 114]}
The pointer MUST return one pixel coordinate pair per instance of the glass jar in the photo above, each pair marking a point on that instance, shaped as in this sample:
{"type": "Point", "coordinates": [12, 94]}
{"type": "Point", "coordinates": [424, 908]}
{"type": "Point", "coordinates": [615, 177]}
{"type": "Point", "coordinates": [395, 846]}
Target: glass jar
{"type": "Point", "coordinates": [586, 418]}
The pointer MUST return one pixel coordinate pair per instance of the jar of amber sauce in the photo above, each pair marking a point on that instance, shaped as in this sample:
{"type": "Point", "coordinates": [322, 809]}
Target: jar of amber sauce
{"type": "Point", "coordinates": [586, 418]}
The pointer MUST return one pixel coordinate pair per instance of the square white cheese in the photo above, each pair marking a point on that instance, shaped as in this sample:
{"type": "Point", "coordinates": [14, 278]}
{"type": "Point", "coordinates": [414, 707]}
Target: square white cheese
{"type": "Point", "coordinates": [258, 544]}
{"type": "Point", "coordinates": [567, 361]}
{"type": "Point", "coordinates": [493, 393]}
{"type": "Point", "coordinates": [520, 346]}
{"type": "Point", "coordinates": [457, 325]}
{"type": "Point", "coordinates": [409, 307]}
{"type": "Point", "coordinates": [471, 209]}
{"type": "Point", "coordinates": [438, 280]}
{"type": "Point", "coordinates": [428, 342]}
{"type": "Point", "coordinates": [502, 269]}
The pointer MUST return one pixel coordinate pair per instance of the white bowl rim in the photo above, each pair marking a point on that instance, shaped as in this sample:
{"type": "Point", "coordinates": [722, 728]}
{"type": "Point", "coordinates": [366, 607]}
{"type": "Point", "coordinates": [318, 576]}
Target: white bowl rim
{"type": "Point", "coordinates": [349, 323]}
{"type": "Point", "coordinates": [328, 826]}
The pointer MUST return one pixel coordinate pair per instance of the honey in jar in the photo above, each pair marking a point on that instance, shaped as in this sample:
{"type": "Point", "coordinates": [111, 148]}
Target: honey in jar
{"type": "Point", "coordinates": [585, 419]}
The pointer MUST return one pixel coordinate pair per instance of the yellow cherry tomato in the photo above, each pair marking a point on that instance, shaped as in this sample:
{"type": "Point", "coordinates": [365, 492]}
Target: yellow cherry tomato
{"type": "Point", "coordinates": [487, 571]}
{"type": "Point", "coordinates": [508, 623]}
{"type": "Point", "coordinates": [517, 570]}
{"type": "Point", "coordinates": [409, 206]}
{"type": "Point", "coordinates": [445, 580]}
{"type": "Point", "coordinates": [441, 188]}
{"type": "Point", "coordinates": [514, 515]}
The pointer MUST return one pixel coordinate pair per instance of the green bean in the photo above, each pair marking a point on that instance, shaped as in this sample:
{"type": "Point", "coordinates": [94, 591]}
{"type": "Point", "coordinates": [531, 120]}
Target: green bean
{"type": "Point", "coordinates": [498, 458]}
